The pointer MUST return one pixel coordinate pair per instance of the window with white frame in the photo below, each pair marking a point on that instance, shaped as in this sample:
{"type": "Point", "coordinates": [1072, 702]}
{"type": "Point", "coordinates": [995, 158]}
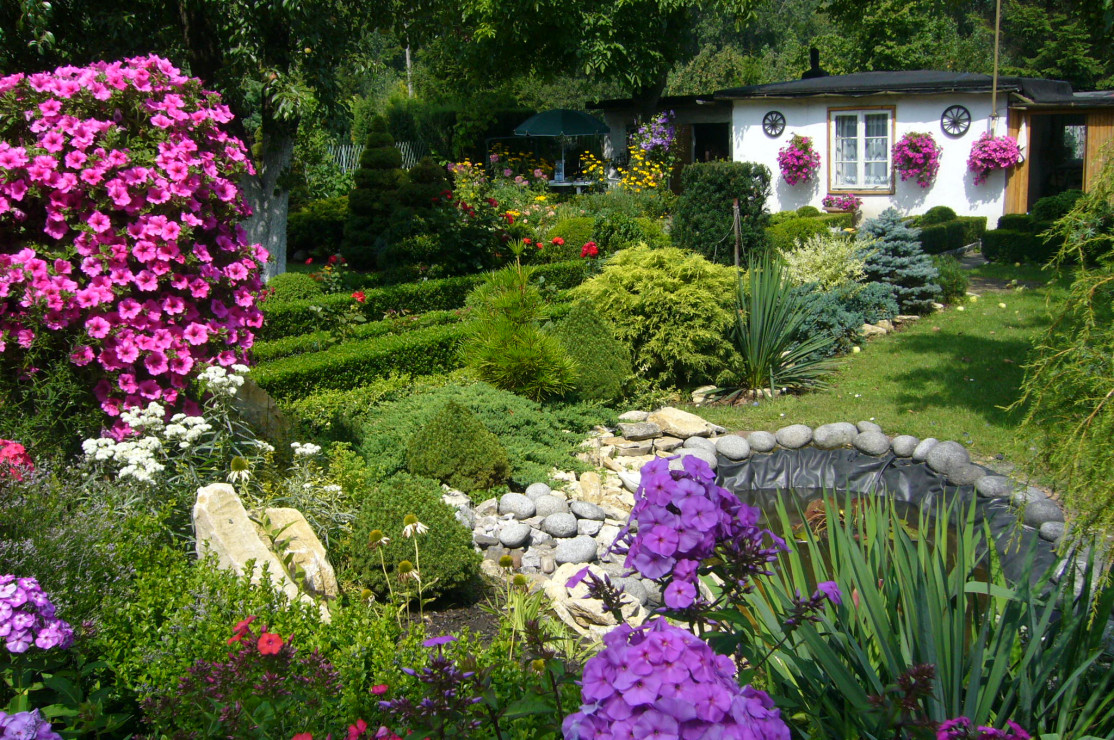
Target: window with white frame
{"type": "Point", "coordinates": [860, 149]}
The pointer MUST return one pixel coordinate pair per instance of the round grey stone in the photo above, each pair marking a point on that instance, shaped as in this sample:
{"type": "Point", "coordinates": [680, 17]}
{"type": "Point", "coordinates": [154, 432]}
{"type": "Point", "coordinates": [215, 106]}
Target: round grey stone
{"type": "Point", "coordinates": [560, 525]}
{"type": "Point", "coordinates": [539, 538]}
{"type": "Point", "coordinates": [994, 486]}
{"type": "Point", "coordinates": [733, 447]}
{"type": "Point", "coordinates": [516, 505]}
{"type": "Point", "coordinates": [538, 489]}
{"type": "Point", "coordinates": [1028, 496]}
{"type": "Point", "coordinates": [904, 445]}
{"type": "Point", "coordinates": [708, 457]}
{"type": "Point", "coordinates": [946, 457]}
{"type": "Point", "coordinates": [484, 540]}
{"type": "Point", "coordinates": [1053, 531]}
{"type": "Point", "coordinates": [872, 443]}
{"type": "Point", "coordinates": [633, 588]}
{"type": "Point", "coordinates": [868, 426]}
{"type": "Point", "coordinates": [589, 527]}
{"type": "Point", "coordinates": [700, 443]}
{"type": "Point", "coordinates": [967, 475]}
{"type": "Point", "coordinates": [575, 550]}
{"type": "Point", "coordinates": [585, 510]}
{"type": "Point", "coordinates": [833, 436]}
{"type": "Point", "coordinates": [514, 534]}
{"type": "Point", "coordinates": [761, 441]}
{"type": "Point", "coordinates": [549, 504]}
{"type": "Point", "coordinates": [794, 436]}
{"type": "Point", "coordinates": [922, 450]}
{"type": "Point", "coordinates": [1038, 513]}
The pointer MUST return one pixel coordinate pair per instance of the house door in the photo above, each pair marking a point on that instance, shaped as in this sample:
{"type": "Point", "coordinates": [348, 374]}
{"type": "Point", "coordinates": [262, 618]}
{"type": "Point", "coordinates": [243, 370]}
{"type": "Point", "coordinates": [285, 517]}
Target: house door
{"type": "Point", "coordinates": [1063, 152]}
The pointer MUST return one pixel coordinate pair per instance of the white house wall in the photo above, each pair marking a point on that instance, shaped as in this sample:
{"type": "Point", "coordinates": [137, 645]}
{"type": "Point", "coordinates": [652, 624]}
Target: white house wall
{"type": "Point", "coordinates": [954, 185]}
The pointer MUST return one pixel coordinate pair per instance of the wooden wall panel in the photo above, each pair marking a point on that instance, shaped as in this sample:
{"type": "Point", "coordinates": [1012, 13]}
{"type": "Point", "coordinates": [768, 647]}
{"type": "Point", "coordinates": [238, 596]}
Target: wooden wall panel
{"type": "Point", "coordinates": [1100, 134]}
{"type": "Point", "coordinates": [1017, 179]}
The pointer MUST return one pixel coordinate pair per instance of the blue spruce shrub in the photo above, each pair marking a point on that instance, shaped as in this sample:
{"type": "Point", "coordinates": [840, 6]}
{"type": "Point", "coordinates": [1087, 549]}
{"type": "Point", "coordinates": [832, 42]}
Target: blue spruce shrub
{"type": "Point", "coordinates": [896, 258]}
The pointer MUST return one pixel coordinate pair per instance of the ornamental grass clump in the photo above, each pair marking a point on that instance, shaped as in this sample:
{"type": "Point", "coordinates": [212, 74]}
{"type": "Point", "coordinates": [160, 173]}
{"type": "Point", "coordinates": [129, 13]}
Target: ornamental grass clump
{"type": "Point", "coordinates": [118, 213]}
{"type": "Point", "coordinates": [662, 681]}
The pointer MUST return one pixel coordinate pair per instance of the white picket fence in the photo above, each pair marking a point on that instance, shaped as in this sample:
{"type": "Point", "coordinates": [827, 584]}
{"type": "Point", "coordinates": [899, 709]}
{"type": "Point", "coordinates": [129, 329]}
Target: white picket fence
{"type": "Point", "coordinates": [347, 156]}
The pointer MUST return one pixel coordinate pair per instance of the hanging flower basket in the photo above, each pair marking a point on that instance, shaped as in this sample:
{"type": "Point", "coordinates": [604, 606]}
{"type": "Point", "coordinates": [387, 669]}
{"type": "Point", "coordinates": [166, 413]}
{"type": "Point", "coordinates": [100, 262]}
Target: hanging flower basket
{"type": "Point", "coordinates": [798, 160]}
{"type": "Point", "coordinates": [917, 157]}
{"type": "Point", "coordinates": [842, 203]}
{"type": "Point", "coordinates": [991, 153]}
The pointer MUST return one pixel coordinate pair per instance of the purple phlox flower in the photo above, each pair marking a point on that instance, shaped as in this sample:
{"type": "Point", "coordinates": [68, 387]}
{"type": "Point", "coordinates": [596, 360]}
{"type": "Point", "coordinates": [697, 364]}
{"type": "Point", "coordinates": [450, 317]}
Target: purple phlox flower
{"type": "Point", "coordinates": [830, 591]}
{"type": "Point", "coordinates": [436, 641]}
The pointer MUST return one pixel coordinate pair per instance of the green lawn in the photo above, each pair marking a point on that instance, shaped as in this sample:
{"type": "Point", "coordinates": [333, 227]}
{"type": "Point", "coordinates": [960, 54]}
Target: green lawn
{"type": "Point", "coordinates": [948, 375]}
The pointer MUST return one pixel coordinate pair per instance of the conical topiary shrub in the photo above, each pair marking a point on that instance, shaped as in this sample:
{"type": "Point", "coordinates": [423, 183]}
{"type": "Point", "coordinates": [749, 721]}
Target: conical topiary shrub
{"type": "Point", "coordinates": [896, 258]}
{"type": "Point", "coordinates": [603, 363]}
{"type": "Point", "coordinates": [374, 198]}
{"type": "Point", "coordinates": [458, 450]}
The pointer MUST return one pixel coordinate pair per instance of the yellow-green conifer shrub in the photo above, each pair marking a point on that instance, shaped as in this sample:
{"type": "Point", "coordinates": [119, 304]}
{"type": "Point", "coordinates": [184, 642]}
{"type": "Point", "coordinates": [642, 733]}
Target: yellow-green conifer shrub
{"type": "Point", "coordinates": [455, 448]}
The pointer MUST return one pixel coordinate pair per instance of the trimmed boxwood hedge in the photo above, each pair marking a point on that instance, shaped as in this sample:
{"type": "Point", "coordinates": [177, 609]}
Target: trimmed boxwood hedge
{"type": "Point", "coordinates": [1006, 245]}
{"type": "Point", "coordinates": [421, 352]}
{"type": "Point", "coordinates": [319, 340]}
{"type": "Point", "coordinates": [298, 317]}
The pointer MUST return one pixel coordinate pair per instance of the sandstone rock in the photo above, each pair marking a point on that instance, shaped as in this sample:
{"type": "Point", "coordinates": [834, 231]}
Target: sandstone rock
{"type": "Point", "coordinates": [634, 416]}
{"type": "Point", "coordinates": [733, 447]}
{"type": "Point", "coordinates": [700, 395]}
{"type": "Point", "coordinates": [794, 436]}
{"type": "Point", "coordinates": [560, 525]}
{"type": "Point", "coordinates": [517, 505]}
{"type": "Point", "coordinates": [904, 444]}
{"type": "Point", "coordinates": [833, 436]}
{"type": "Point", "coordinates": [488, 507]}
{"type": "Point", "coordinates": [639, 430]}
{"type": "Point", "coordinates": [514, 534]}
{"type": "Point", "coordinates": [921, 451]}
{"type": "Point", "coordinates": [994, 486]}
{"type": "Point", "coordinates": [576, 550]}
{"type": "Point", "coordinates": [588, 527]}
{"type": "Point", "coordinates": [549, 504]}
{"type": "Point", "coordinates": [870, 330]}
{"type": "Point", "coordinates": [761, 441]}
{"type": "Point", "coordinates": [632, 479]}
{"type": "Point", "coordinates": [634, 449]}
{"type": "Point", "coordinates": [538, 489]}
{"type": "Point", "coordinates": [872, 443]}
{"type": "Point", "coordinates": [590, 487]}
{"type": "Point", "coordinates": [886, 324]}
{"type": "Point", "coordinates": [677, 423]}
{"type": "Point", "coordinates": [607, 535]}
{"type": "Point", "coordinates": [668, 444]}
{"type": "Point", "coordinates": [297, 538]}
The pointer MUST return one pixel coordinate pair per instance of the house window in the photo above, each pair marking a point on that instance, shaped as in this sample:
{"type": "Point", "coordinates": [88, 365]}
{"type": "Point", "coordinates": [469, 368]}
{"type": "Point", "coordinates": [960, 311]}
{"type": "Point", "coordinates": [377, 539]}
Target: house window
{"type": "Point", "coordinates": [860, 149]}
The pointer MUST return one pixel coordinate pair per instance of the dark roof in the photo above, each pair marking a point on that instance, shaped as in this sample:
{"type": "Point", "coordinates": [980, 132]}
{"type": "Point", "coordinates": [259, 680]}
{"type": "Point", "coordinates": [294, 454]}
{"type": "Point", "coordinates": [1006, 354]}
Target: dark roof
{"type": "Point", "coordinates": [665, 103]}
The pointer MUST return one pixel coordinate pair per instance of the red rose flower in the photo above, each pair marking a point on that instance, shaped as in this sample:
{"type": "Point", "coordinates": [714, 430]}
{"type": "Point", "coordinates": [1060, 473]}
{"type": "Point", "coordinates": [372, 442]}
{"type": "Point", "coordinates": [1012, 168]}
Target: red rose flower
{"type": "Point", "coordinates": [270, 643]}
{"type": "Point", "coordinates": [360, 296]}
{"type": "Point", "coordinates": [589, 250]}
{"type": "Point", "coordinates": [558, 241]}
{"type": "Point", "coordinates": [526, 241]}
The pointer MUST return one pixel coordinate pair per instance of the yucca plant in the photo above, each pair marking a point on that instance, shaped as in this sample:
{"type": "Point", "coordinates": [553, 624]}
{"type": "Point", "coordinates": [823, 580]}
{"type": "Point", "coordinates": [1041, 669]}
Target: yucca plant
{"type": "Point", "coordinates": [1028, 653]}
{"type": "Point", "coordinates": [770, 314]}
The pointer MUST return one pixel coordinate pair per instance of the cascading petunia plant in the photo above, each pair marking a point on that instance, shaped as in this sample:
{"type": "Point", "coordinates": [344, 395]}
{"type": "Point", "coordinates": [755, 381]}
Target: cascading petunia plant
{"type": "Point", "coordinates": [118, 225]}
{"type": "Point", "coordinates": [990, 153]}
{"type": "Point", "coordinates": [798, 160]}
{"type": "Point", "coordinates": [917, 157]}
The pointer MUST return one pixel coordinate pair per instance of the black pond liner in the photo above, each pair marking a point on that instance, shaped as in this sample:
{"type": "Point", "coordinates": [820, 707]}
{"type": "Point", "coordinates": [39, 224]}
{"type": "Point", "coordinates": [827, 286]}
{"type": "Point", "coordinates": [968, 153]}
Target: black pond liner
{"type": "Point", "coordinates": [809, 472]}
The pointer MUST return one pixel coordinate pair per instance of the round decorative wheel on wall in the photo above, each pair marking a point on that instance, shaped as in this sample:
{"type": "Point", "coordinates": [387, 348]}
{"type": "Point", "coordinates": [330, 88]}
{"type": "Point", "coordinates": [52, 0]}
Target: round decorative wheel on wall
{"type": "Point", "coordinates": [955, 121]}
{"type": "Point", "coordinates": [773, 123]}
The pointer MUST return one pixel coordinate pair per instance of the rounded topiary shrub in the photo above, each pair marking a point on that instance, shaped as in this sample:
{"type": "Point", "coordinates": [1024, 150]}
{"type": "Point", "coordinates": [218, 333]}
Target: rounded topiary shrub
{"type": "Point", "coordinates": [120, 253]}
{"type": "Point", "coordinates": [455, 448]}
{"type": "Point", "coordinates": [808, 211]}
{"type": "Point", "coordinates": [937, 215]}
{"type": "Point", "coordinates": [293, 286]}
{"type": "Point", "coordinates": [788, 234]}
{"type": "Point", "coordinates": [574, 232]}
{"type": "Point", "coordinates": [447, 563]}
{"type": "Point", "coordinates": [603, 363]}
{"type": "Point", "coordinates": [1054, 207]}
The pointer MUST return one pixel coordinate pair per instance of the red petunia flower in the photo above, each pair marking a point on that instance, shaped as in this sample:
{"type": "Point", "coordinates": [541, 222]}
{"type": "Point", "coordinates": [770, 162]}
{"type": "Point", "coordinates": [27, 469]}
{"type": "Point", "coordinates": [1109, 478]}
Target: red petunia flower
{"type": "Point", "coordinates": [360, 296]}
{"type": "Point", "coordinates": [270, 643]}
{"type": "Point", "coordinates": [309, 260]}
{"type": "Point", "coordinates": [527, 241]}
{"type": "Point", "coordinates": [589, 250]}
{"type": "Point", "coordinates": [357, 730]}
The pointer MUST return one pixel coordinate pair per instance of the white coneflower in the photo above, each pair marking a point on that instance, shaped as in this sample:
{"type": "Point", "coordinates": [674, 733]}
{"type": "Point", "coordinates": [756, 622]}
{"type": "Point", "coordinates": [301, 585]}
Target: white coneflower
{"type": "Point", "coordinates": [377, 539]}
{"type": "Point", "coordinates": [407, 572]}
{"type": "Point", "coordinates": [240, 470]}
{"type": "Point", "coordinates": [411, 526]}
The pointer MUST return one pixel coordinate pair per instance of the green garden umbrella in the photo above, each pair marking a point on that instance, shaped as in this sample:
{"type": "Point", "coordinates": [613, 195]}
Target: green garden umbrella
{"type": "Point", "coordinates": [564, 124]}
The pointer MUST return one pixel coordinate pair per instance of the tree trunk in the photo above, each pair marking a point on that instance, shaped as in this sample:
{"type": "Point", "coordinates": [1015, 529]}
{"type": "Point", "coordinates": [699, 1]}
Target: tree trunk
{"type": "Point", "coordinates": [270, 202]}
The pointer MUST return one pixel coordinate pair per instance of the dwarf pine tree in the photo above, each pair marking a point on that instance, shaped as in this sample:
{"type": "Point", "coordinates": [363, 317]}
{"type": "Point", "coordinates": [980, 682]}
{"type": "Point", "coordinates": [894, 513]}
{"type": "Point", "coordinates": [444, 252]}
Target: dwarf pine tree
{"type": "Point", "coordinates": [896, 257]}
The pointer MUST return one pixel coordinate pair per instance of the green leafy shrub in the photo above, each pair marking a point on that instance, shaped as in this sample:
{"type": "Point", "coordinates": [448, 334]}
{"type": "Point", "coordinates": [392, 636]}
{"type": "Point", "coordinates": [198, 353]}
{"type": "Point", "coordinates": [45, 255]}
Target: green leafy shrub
{"type": "Point", "coordinates": [1054, 207]}
{"type": "Point", "coordinates": [841, 311]}
{"type": "Point", "coordinates": [575, 232]}
{"type": "Point", "coordinates": [826, 259]}
{"type": "Point", "coordinates": [1003, 245]}
{"type": "Point", "coordinates": [508, 347]}
{"type": "Point", "coordinates": [1017, 222]}
{"type": "Point", "coordinates": [537, 438]}
{"type": "Point", "coordinates": [808, 211]}
{"type": "Point", "coordinates": [973, 228]}
{"type": "Point", "coordinates": [320, 340]}
{"type": "Point", "coordinates": [374, 198]}
{"type": "Point", "coordinates": [703, 219]}
{"type": "Point", "coordinates": [896, 258]}
{"type": "Point", "coordinates": [941, 237]}
{"type": "Point", "coordinates": [937, 215]}
{"type": "Point", "coordinates": [785, 235]}
{"type": "Point", "coordinates": [338, 415]}
{"type": "Point", "coordinates": [447, 564]}
{"type": "Point", "coordinates": [318, 228]}
{"type": "Point", "coordinates": [1067, 383]}
{"type": "Point", "coordinates": [293, 286]}
{"type": "Point", "coordinates": [603, 363]}
{"type": "Point", "coordinates": [360, 362]}
{"type": "Point", "coordinates": [671, 308]}
{"type": "Point", "coordinates": [455, 448]}
{"type": "Point", "coordinates": [951, 278]}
